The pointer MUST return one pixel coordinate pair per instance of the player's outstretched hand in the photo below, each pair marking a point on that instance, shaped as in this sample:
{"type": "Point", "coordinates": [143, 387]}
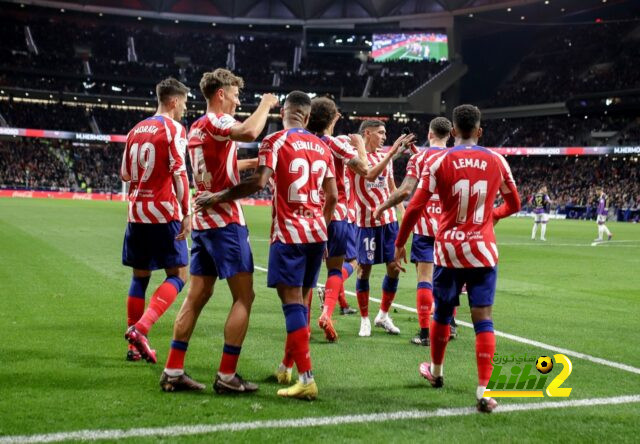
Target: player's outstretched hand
{"type": "Point", "coordinates": [376, 213]}
{"type": "Point", "coordinates": [405, 139]}
{"type": "Point", "coordinates": [205, 200]}
{"type": "Point", "coordinates": [185, 228]}
{"type": "Point", "coordinates": [356, 141]}
{"type": "Point", "coordinates": [270, 99]}
{"type": "Point", "coordinates": [399, 258]}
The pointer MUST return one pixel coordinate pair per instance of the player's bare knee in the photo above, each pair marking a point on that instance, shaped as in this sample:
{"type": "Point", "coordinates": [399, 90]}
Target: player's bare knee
{"type": "Point", "coordinates": [364, 271]}
{"type": "Point", "coordinates": [481, 313]}
{"type": "Point", "coordinates": [392, 272]}
{"type": "Point", "coordinates": [141, 273]}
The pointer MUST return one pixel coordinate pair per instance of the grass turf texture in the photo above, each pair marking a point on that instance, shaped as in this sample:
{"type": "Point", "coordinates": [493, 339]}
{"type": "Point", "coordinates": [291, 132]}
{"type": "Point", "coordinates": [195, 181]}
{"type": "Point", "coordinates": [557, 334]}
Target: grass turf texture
{"type": "Point", "coordinates": [63, 317]}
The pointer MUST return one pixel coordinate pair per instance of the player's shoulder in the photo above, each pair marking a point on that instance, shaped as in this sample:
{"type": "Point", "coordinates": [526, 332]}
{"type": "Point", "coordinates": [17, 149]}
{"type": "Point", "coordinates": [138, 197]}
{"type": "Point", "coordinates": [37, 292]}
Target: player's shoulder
{"type": "Point", "coordinates": [149, 125]}
{"type": "Point", "coordinates": [197, 131]}
{"type": "Point", "coordinates": [277, 138]}
{"type": "Point", "coordinates": [221, 120]}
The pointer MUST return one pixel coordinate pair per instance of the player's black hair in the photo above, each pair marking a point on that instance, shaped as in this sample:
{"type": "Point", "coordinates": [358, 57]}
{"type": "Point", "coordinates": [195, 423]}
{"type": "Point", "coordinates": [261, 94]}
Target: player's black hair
{"type": "Point", "coordinates": [440, 126]}
{"type": "Point", "coordinates": [371, 123]}
{"type": "Point", "coordinates": [170, 87]}
{"type": "Point", "coordinates": [323, 111]}
{"type": "Point", "coordinates": [466, 118]}
{"type": "Point", "coordinates": [297, 105]}
{"type": "Point", "coordinates": [298, 99]}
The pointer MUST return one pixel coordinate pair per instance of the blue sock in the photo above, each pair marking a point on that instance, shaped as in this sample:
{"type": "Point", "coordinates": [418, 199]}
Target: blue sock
{"type": "Point", "coordinates": [295, 316]}
{"type": "Point", "coordinates": [138, 286]}
{"type": "Point", "coordinates": [484, 325]}
{"type": "Point", "coordinates": [362, 284]}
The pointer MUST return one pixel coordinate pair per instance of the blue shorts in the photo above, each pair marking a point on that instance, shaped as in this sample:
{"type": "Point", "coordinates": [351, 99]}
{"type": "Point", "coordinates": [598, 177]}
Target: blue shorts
{"type": "Point", "coordinates": [154, 246]}
{"type": "Point", "coordinates": [295, 265]}
{"type": "Point", "coordinates": [352, 251]}
{"type": "Point", "coordinates": [422, 248]}
{"type": "Point", "coordinates": [481, 285]}
{"type": "Point", "coordinates": [221, 252]}
{"type": "Point", "coordinates": [338, 234]}
{"type": "Point", "coordinates": [376, 244]}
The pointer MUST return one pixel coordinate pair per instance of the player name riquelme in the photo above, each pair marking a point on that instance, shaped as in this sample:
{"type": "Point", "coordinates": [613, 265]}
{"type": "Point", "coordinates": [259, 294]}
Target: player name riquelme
{"type": "Point", "coordinates": [470, 163]}
{"type": "Point", "coordinates": [146, 129]}
{"type": "Point", "coordinates": [302, 145]}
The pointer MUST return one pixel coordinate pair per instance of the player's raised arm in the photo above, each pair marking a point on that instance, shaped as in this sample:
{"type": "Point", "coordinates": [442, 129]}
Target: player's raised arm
{"type": "Point", "coordinates": [244, 189]}
{"type": "Point", "coordinates": [508, 191]}
{"type": "Point", "coordinates": [359, 164]}
{"type": "Point", "coordinates": [247, 164]}
{"type": "Point", "coordinates": [375, 171]}
{"type": "Point", "coordinates": [267, 160]}
{"type": "Point", "coordinates": [398, 196]}
{"type": "Point", "coordinates": [251, 128]}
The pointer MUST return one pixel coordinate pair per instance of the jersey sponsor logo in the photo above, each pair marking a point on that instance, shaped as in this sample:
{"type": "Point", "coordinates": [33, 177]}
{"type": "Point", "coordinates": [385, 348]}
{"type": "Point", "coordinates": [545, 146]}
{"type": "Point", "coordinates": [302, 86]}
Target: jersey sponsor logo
{"type": "Point", "coordinates": [434, 208]}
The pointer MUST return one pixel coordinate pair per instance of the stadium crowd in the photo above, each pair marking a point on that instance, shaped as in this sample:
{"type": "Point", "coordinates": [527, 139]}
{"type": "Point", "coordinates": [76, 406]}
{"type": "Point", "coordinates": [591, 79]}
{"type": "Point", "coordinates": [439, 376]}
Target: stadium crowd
{"type": "Point", "coordinates": [574, 60]}
{"type": "Point", "coordinates": [43, 164]}
{"type": "Point", "coordinates": [59, 165]}
{"type": "Point", "coordinates": [101, 57]}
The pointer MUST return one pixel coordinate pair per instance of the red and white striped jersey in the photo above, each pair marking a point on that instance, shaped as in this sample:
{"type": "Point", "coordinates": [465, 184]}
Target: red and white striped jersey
{"type": "Point", "coordinates": [153, 163]}
{"type": "Point", "coordinates": [214, 158]}
{"type": "Point", "coordinates": [467, 179]}
{"type": "Point", "coordinates": [342, 152]}
{"type": "Point", "coordinates": [350, 191]}
{"type": "Point", "coordinates": [300, 162]}
{"type": "Point", "coordinates": [370, 195]}
{"type": "Point", "coordinates": [428, 223]}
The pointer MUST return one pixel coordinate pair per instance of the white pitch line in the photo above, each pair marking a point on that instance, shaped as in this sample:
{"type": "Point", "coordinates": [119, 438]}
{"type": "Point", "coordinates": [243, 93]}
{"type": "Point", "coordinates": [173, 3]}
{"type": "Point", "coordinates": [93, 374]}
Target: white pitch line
{"type": "Point", "coordinates": [201, 429]}
{"type": "Point", "coordinates": [564, 351]}
{"type": "Point", "coordinates": [546, 244]}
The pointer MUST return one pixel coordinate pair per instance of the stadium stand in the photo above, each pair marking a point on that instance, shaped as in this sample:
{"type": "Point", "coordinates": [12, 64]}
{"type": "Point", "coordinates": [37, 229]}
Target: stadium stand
{"type": "Point", "coordinates": [573, 60]}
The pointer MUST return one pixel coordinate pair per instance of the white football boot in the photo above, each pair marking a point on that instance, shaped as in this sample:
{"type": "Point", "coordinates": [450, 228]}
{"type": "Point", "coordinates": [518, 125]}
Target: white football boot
{"type": "Point", "coordinates": [365, 327]}
{"type": "Point", "coordinates": [383, 320]}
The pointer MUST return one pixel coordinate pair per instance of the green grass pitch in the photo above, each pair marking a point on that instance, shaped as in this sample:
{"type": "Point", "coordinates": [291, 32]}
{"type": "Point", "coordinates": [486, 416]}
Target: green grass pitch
{"type": "Point", "coordinates": [62, 364]}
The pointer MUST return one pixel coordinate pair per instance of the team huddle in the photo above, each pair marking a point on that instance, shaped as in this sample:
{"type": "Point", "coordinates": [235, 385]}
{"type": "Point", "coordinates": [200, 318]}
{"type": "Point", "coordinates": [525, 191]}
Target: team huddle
{"type": "Point", "coordinates": [334, 201]}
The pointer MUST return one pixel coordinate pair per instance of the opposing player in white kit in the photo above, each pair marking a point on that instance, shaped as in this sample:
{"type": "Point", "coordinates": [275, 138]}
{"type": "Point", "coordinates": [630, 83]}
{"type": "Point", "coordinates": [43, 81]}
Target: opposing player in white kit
{"type": "Point", "coordinates": [603, 213]}
{"type": "Point", "coordinates": [541, 206]}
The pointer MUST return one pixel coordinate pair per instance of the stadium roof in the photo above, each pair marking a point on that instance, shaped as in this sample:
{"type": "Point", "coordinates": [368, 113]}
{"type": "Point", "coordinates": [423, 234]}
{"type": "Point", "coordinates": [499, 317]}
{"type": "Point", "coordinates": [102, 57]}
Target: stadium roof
{"type": "Point", "coordinates": [291, 11]}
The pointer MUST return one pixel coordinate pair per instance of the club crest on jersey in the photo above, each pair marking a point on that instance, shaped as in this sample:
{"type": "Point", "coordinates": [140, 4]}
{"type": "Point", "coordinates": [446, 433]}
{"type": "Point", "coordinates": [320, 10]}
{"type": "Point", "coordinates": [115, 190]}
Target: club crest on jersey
{"type": "Point", "coordinates": [370, 255]}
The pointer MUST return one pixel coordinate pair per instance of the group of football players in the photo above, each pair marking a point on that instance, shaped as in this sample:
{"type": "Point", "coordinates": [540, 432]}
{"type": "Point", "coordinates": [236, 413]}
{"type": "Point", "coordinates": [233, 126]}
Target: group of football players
{"type": "Point", "coordinates": [334, 200]}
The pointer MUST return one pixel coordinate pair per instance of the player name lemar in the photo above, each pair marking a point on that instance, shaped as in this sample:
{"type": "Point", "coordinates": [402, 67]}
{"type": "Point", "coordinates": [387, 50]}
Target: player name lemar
{"type": "Point", "coordinates": [146, 129]}
{"type": "Point", "coordinates": [302, 145]}
{"type": "Point", "coordinates": [470, 163]}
